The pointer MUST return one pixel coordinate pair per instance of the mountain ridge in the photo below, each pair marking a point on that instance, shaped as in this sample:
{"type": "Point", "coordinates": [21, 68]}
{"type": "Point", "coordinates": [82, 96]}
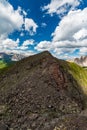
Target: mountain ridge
{"type": "Point", "coordinates": [38, 90]}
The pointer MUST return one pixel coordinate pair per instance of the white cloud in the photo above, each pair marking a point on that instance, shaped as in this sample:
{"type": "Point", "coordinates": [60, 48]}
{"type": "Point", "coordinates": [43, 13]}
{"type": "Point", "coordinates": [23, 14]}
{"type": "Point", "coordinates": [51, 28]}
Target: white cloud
{"type": "Point", "coordinates": [30, 26]}
{"type": "Point", "coordinates": [83, 50]}
{"type": "Point", "coordinates": [69, 36]}
{"type": "Point", "coordinates": [80, 34]}
{"type": "Point", "coordinates": [60, 6]}
{"type": "Point", "coordinates": [22, 52]}
{"type": "Point", "coordinates": [28, 42]}
{"type": "Point", "coordinates": [57, 47]}
{"type": "Point", "coordinates": [14, 20]}
{"type": "Point", "coordinates": [43, 45]}
{"type": "Point", "coordinates": [43, 25]}
{"type": "Point", "coordinates": [10, 19]}
{"type": "Point", "coordinates": [8, 44]}
{"type": "Point", "coordinates": [12, 46]}
{"type": "Point", "coordinates": [23, 48]}
{"type": "Point", "coordinates": [63, 51]}
{"type": "Point", "coordinates": [27, 53]}
{"type": "Point", "coordinates": [22, 34]}
{"type": "Point", "coordinates": [70, 25]}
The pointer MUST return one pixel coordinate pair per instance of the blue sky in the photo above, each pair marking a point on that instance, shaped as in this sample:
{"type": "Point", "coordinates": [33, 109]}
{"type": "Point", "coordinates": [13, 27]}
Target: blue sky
{"type": "Point", "coordinates": [32, 26]}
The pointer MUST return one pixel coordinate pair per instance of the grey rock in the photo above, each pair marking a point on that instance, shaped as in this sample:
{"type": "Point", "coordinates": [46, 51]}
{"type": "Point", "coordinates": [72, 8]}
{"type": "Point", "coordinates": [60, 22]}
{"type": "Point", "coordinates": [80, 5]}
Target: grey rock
{"type": "Point", "coordinates": [3, 127]}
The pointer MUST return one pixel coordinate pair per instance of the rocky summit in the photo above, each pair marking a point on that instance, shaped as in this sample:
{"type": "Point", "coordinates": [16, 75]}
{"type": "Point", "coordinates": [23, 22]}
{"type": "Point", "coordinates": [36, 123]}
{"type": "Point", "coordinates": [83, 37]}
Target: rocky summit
{"type": "Point", "coordinates": [40, 93]}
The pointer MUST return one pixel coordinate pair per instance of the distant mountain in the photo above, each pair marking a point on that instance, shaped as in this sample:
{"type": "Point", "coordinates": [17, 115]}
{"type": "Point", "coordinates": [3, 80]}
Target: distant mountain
{"type": "Point", "coordinates": [41, 92]}
{"type": "Point", "coordinates": [82, 61]}
{"type": "Point", "coordinates": [8, 57]}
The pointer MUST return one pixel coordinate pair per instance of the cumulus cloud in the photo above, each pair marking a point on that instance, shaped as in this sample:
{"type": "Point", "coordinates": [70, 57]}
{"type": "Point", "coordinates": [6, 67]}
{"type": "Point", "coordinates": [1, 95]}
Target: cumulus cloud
{"type": "Point", "coordinates": [28, 42]}
{"type": "Point", "coordinates": [72, 31]}
{"type": "Point", "coordinates": [10, 19]}
{"type": "Point", "coordinates": [43, 45]}
{"type": "Point", "coordinates": [12, 46]}
{"type": "Point", "coordinates": [71, 24]}
{"type": "Point", "coordinates": [13, 20]}
{"type": "Point", "coordinates": [81, 34]}
{"type": "Point", "coordinates": [19, 51]}
{"type": "Point", "coordinates": [8, 44]}
{"type": "Point", "coordinates": [30, 26]}
{"type": "Point", "coordinates": [60, 6]}
{"type": "Point", "coordinates": [69, 36]}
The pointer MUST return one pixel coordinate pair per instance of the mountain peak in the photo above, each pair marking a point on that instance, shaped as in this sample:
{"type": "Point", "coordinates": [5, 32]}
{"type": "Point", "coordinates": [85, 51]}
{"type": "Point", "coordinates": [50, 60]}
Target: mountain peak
{"type": "Point", "coordinates": [45, 53]}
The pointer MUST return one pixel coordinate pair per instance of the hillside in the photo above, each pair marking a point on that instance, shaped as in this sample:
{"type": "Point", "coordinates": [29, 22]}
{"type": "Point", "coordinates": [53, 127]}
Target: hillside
{"type": "Point", "coordinates": [2, 64]}
{"type": "Point", "coordinates": [5, 66]}
{"type": "Point", "coordinates": [80, 74]}
{"type": "Point", "coordinates": [43, 93]}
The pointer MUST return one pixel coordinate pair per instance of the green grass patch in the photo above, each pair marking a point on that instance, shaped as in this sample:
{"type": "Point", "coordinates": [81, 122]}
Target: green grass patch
{"type": "Point", "coordinates": [80, 75]}
{"type": "Point", "coordinates": [2, 64]}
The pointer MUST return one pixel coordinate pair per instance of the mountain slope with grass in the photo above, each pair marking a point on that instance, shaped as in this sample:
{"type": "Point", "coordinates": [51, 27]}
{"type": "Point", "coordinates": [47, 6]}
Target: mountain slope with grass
{"type": "Point", "coordinates": [41, 92]}
{"type": "Point", "coordinates": [80, 74]}
{"type": "Point", "coordinates": [2, 64]}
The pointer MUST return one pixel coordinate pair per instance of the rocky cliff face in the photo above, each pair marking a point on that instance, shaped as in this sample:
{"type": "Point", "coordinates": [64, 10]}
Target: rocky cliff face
{"type": "Point", "coordinates": [36, 92]}
{"type": "Point", "coordinates": [82, 61]}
